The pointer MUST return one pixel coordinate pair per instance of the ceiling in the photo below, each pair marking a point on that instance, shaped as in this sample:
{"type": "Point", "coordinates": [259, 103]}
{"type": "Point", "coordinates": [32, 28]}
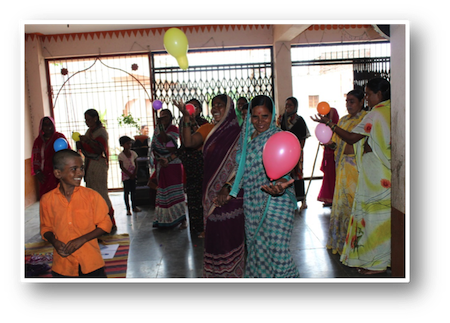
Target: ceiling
{"type": "Point", "coordinates": [51, 29]}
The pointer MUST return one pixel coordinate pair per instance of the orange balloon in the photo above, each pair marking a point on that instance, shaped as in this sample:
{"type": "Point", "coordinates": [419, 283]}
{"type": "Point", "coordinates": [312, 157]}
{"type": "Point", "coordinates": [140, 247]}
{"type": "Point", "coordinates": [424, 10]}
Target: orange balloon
{"type": "Point", "coordinates": [323, 108]}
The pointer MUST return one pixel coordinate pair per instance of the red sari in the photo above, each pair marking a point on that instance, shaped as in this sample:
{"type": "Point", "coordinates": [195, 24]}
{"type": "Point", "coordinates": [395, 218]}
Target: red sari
{"type": "Point", "coordinates": [328, 168]}
{"type": "Point", "coordinates": [41, 158]}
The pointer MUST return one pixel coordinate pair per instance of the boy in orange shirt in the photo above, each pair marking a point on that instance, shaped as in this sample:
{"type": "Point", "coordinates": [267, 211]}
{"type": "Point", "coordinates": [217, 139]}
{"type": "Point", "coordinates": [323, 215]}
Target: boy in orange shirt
{"type": "Point", "coordinates": [72, 217]}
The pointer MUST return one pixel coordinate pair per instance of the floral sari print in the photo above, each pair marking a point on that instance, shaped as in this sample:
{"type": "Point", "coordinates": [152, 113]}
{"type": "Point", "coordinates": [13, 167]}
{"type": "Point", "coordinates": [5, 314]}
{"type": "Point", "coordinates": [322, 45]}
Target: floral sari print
{"type": "Point", "coordinates": [346, 180]}
{"type": "Point", "coordinates": [368, 240]}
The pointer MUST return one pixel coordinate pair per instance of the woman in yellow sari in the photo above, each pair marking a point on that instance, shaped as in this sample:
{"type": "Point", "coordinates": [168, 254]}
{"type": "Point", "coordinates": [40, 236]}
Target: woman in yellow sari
{"type": "Point", "coordinates": [346, 173]}
{"type": "Point", "coordinates": [368, 242]}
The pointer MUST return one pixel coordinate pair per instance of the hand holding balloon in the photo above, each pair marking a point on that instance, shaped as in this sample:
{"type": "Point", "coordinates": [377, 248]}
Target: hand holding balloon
{"type": "Point", "coordinates": [323, 133]}
{"type": "Point", "coordinates": [278, 188]}
{"type": "Point", "coordinates": [182, 107]}
{"type": "Point", "coordinates": [190, 108]}
{"type": "Point", "coordinates": [320, 118]}
{"type": "Point", "coordinates": [323, 108]}
{"type": "Point", "coordinates": [76, 136]}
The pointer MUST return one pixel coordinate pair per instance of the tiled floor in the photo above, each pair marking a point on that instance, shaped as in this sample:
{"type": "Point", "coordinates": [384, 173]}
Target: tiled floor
{"type": "Point", "coordinates": [174, 253]}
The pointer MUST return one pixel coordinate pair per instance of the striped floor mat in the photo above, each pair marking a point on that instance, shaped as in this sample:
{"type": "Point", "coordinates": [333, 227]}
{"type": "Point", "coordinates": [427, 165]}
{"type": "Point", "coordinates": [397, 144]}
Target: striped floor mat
{"type": "Point", "coordinates": [40, 255]}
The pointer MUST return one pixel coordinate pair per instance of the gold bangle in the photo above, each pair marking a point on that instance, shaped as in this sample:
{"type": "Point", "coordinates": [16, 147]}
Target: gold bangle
{"type": "Point", "coordinates": [333, 127]}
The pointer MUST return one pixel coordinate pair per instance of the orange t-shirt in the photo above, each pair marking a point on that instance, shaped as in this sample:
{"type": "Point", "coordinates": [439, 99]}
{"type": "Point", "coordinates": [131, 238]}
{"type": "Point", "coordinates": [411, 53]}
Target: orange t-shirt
{"type": "Point", "coordinates": [86, 211]}
{"type": "Point", "coordinates": [205, 129]}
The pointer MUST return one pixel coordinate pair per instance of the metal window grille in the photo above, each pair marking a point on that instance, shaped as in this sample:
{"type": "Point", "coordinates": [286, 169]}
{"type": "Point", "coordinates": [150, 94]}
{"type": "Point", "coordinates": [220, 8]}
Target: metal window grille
{"type": "Point", "coordinates": [122, 84]}
{"type": "Point", "coordinates": [113, 85]}
{"type": "Point", "coordinates": [365, 69]}
{"type": "Point", "coordinates": [369, 60]}
{"type": "Point", "coordinates": [243, 72]}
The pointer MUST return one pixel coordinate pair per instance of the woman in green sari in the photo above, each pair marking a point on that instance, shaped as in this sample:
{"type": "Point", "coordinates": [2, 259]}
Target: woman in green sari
{"type": "Point", "coordinates": [269, 208]}
{"type": "Point", "coordinates": [368, 241]}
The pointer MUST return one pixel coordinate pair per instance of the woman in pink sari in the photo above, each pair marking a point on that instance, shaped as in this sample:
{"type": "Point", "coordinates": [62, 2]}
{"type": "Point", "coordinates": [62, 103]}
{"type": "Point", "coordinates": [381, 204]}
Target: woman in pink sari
{"type": "Point", "coordinates": [42, 154]}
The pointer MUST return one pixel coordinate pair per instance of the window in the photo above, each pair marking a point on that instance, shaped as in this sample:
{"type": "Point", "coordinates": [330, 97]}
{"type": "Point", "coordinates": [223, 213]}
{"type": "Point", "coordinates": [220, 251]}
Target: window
{"type": "Point", "coordinates": [330, 72]}
{"type": "Point", "coordinates": [113, 85]}
{"type": "Point", "coordinates": [313, 101]}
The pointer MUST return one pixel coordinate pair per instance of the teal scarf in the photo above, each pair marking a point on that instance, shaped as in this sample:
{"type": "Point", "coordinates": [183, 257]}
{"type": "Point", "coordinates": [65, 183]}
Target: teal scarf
{"type": "Point", "coordinates": [241, 156]}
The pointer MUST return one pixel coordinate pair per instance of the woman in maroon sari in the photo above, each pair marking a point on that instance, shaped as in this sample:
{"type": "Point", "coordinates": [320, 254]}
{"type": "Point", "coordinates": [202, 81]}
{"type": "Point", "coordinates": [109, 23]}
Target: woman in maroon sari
{"type": "Point", "coordinates": [328, 167]}
{"type": "Point", "coordinates": [42, 154]}
{"type": "Point", "coordinates": [224, 226]}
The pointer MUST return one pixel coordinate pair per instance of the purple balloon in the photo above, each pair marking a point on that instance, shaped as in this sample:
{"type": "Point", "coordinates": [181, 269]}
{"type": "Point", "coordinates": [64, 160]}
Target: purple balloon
{"type": "Point", "coordinates": [157, 104]}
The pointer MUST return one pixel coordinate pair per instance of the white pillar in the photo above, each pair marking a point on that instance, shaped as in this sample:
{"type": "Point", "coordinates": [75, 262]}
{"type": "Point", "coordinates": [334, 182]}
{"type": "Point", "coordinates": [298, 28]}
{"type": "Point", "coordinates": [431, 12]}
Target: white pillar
{"type": "Point", "coordinates": [36, 84]}
{"type": "Point", "coordinates": [399, 100]}
{"type": "Point", "coordinates": [283, 74]}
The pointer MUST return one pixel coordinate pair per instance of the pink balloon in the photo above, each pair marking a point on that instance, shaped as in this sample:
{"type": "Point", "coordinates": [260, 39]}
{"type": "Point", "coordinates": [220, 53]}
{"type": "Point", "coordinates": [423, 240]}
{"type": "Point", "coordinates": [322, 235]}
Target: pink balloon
{"type": "Point", "coordinates": [323, 133]}
{"type": "Point", "coordinates": [190, 108]}
{"type": "Point", "coordinates": [280, 154]}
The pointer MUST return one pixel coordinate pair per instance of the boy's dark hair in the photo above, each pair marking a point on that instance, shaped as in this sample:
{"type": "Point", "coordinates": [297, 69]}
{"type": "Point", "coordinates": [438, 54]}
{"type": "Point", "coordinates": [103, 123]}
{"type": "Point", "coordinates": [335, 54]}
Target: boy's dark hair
{"type": "Point", "coordinates": [124, 139]}
{"type": "Point", "coordinates": [60, 156]}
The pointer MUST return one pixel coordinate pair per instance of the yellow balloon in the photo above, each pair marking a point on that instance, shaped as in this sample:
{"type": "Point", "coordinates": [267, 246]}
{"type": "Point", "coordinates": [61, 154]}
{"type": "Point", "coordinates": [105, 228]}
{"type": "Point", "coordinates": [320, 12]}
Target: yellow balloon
{"type": "Point", "coordinates": [176, 44]}
{"type": "Point", "coordinates": [183, 62]}
{"type": "Point", "coordinates": [76, 136]}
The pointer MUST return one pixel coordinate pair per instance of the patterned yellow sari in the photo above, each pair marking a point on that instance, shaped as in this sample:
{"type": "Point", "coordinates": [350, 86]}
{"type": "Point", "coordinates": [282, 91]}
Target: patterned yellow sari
{"type": "Point", "coordinates": [344, 191]}
{"type": "Point", "coordinates": [368, 241]}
